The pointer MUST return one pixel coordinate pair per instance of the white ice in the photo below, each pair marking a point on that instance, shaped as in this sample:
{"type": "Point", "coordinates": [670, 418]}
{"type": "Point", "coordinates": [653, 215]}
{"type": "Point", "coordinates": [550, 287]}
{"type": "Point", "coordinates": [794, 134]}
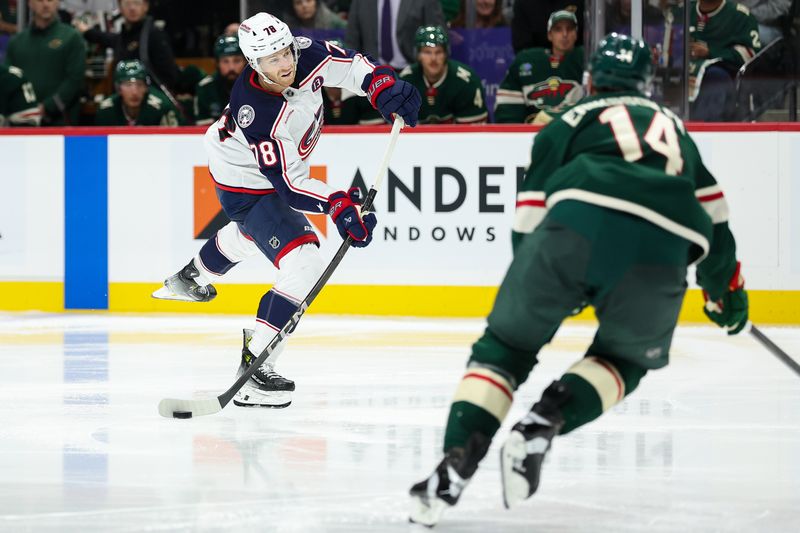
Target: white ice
{"type": "Point", "coordinates": [711, 443]}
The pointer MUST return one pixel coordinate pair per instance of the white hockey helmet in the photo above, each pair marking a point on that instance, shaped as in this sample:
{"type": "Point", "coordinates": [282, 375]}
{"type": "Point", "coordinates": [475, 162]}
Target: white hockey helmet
{"type": "Point", "coordinates": [262, 35]}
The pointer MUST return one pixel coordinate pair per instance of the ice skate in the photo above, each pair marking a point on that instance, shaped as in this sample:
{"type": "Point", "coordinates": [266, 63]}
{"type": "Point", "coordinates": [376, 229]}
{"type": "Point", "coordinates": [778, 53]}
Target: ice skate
{"type": "Point", "coordinates": [265, 388]}
{"type": "Point", "coordinates": [430, 497]}
{"type": "Point", "coordinates": [523, 453]}
{"type": "Point", "coordinates": [183, 287]}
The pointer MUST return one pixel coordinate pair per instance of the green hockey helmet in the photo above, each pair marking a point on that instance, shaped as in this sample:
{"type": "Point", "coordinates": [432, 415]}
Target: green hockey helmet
{"type": "Point", "coordinates": [431, 36]}
{"type": "Point", "coordinates": [227, 45]}
{"type": "Point", "coordinates": [131, 69]}
{"type": "Point", "coordinates": [621, 62]}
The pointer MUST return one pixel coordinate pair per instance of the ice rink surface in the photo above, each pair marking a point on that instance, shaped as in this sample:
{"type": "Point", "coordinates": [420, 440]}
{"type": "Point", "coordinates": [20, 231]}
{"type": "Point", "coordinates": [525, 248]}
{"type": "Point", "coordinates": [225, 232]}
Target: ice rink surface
{"type": "Point", "coordinates": [711, 443]}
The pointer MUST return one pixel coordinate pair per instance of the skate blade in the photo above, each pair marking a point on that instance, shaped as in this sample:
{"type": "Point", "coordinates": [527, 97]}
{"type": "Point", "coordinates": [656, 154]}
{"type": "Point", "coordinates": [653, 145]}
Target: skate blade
{"type": "Point", "coordinates": [515, 487]}
{"type": "Point", "coordinates": [426, 511]}
{"type": "Point", "coordinates": [262, 405]}
{"type": "Point", "coordinates": [164, 293]}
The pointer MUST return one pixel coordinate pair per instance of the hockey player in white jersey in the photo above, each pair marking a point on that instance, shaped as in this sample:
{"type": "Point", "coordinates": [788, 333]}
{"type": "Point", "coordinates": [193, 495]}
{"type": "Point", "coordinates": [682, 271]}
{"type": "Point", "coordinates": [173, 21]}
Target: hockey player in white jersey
{"type": "Point", "coordinates": [257, 157]}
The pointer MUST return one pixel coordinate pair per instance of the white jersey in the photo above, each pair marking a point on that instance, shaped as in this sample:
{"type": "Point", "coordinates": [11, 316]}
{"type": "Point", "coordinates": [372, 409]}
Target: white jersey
{"type": "Point", "coordinates": [261, 142]}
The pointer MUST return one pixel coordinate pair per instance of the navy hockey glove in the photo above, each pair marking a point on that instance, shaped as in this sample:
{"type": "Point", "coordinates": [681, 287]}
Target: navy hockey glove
{"type": "Point", "coordinates": [390, 95]}
{"type": "Point", "coordinates": [348, 219]}
{"type": "Point", "coordinates": [730, 310]}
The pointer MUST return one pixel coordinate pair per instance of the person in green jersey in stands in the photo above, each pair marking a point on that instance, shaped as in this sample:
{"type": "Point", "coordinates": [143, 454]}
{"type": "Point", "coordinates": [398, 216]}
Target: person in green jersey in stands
{"type": "Point", "coordinates": [135, 103]}
{"type": "Point", "coordinates": [213, 92]}
{"type": "Point", "coordinates": [615, 205]}
{"type": "Point", "coordinates": [18, 105]}
{"type": "Point", "coordinates": [540, 78]}
{"type": "Point", "coordinates": [451, 91]}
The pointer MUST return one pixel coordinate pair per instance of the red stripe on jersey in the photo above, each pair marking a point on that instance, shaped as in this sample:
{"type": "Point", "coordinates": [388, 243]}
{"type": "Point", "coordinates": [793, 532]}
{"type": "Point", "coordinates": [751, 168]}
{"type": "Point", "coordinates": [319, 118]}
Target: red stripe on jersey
{"type": "Point", "coordinates": [534, 203]}
{"type": "Point", "coordinates": [313, 72]}
{"type": "Point", "coordinates": [493, 382]}
{"type": "Point", "coordinates": [711, 197]}
{"type": "Point", "coordinates": [244, 190]}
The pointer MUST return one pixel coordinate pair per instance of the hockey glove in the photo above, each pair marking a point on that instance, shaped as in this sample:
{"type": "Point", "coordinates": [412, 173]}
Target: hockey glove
{"type": "Point", "coordinates": [345, 213]}
{"type": "Point", "coordinates": [730, 310]}
{"type": "Point", "coordinates": [390, 95]}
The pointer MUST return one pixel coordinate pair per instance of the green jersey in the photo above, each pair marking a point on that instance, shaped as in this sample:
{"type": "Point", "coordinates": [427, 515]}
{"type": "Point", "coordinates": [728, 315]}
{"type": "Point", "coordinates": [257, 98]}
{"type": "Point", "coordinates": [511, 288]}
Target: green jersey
{"type": "Point", "coordinates": [457, 97]}
{"type": "Point", "coordinates": [349, 108]}
{"type": "Point", "coordinates": [536, 81]}
{"type": "Point", "coordinates": [18, 105]}
{"type": "Point", "coordinates": [210, 99]}
{"type": "Point", "coordinates": [54, 60]}
{"type": "Point", "coordinates": [624, 152]}
{"type": "Point", "coordinates": [156, 110]}
{"type": "Point", "coordinates": [730, 32]}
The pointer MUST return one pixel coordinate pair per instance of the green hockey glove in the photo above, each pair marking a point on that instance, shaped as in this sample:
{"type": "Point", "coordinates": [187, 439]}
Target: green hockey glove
{"type": "Point", "coordinates": [730, 310]}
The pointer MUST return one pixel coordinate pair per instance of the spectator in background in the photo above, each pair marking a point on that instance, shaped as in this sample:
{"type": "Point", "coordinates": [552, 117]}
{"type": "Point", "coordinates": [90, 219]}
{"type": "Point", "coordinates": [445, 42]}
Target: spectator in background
{"type": "Point", "coordinates": [139, 39]}
{"type": "Point", "coordinates": [135, 103]}
{"type": "Point", "coordinates": [232, 29]}
{"type": "Point", "coordinates": [313, 15]}
{"type": "Point", "coordinates": [214, 92]}
{"type": "Point", "coordinates": [18, 106]}
{"type": "Point", "coordinates": [530, 20]}
{"type": "Point", "coordinates": [488, 14]}
{"type": "Point", "coordinates": [539, 78]}
{"type": "Point", "coordinates": [385, 29]}
{"type": "Point", "coordinates": [768, 14]}
{"type": "Point", "coordinates": [53, 57]}
{"type": "Point", "coordinates": [724, 35]}
{"type": "Point", "coordinates": [8, 24]}
{"type": "Point", "coordinates": [451, 91]}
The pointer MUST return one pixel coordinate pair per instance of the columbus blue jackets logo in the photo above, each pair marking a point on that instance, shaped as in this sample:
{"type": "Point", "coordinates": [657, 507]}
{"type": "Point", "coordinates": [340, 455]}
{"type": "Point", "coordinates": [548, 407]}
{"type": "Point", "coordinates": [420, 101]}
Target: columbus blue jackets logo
{"type": "Point", "coordinates": [246, 116]}
{"type": "Point", "coordinates": [317, 83]}
{"type": "Point", "coordinates": [311, 136]}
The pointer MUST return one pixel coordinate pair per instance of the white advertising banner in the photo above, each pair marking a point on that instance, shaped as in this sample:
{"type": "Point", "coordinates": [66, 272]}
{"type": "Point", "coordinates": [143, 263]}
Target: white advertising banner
{"type": "Point", "coordinates": [32, 208]}
{"type": "Point", "coordinates": [444, 211]}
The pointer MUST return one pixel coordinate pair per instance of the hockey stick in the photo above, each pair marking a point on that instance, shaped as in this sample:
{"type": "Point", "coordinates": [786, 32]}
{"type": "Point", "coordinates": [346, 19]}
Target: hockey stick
{"type": "Point", "coordinates": [774, 349]}
{"type": "Point", "coordinates": [174, 408]}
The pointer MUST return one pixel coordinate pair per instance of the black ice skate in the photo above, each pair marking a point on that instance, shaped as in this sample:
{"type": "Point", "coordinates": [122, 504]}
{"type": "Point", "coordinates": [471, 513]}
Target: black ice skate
{"type": "Point", "coordinates": [265, 388]}
{"type": "Point", "coordinates": [430, 497]}
{"type": "Point", "coordinates": [523, 453]}
{"type": "Point", "coordinates": [183, 287]}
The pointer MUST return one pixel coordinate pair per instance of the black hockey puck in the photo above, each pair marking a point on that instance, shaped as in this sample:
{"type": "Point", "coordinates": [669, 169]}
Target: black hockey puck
{"type": "Point", "coordinates": [181, 414]}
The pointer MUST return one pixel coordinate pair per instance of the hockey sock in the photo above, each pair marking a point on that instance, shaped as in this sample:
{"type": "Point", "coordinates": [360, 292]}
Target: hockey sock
{"type": "Point", "coordinates": [481, 402]}
{"type": "Point", "coordinates": [211, 261]}
{"type": "Point", "coordinates": [274, 311]}
{"type": "Point", "coordinates": [596, 384]}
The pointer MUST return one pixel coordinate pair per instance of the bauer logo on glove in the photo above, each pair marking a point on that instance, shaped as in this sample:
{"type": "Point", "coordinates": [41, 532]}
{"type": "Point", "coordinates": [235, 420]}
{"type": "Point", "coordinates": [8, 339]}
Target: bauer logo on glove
{"type": "Point", "coordinates": [345, 213]}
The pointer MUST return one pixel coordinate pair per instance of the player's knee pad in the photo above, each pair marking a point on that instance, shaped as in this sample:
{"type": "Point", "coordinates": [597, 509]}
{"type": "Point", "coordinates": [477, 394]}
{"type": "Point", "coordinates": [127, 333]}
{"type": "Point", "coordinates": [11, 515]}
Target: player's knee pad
{"type": "Point", "coordinates": [234, 244]}
{"type": "Point", "coordinates": [299, 271]}
{"type": "Point", "coordinates": [611, 378]}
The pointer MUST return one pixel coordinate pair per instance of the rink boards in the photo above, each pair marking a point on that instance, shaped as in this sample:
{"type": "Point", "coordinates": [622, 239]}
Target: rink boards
{"type": "Point", "coordinates": [95, 219]}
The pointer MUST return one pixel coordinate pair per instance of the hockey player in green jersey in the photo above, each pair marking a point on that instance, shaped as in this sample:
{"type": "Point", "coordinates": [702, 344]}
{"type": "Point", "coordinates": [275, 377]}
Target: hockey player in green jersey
{"type": "Point", "coordinates": [135, 104]}
{"type": "Point", "coordinates": [213, 92]}
{"type": "Point", "coordinates": [451, 91]}
{"type": "Point", "coordinates": [615, 203]}
{"type": "Point", "coordinates": [724, 35]}
{"type": "Point", "coordinates": [18, 105]}
{"type": "Point", "coordinates": [539, 78]}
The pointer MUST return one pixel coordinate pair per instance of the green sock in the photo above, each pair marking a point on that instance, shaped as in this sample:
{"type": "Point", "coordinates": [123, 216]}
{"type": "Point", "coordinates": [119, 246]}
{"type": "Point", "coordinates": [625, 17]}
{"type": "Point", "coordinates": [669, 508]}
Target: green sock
{"type": "Point", "coordinates": [466, 418]}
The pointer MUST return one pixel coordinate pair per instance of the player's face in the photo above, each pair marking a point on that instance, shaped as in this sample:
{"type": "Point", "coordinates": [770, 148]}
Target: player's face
{"type": "Point", "coordinates": [279, 67]}
{"type": "Point", "coordinates": [433, 60]}
{"type": "Point", "coordinates": [133, 10]}
{"type": "Point", "coordinates": [44, 9]}
{"type": "Point", "coordinates": [132, 92]}
{"type": "Point", "coordinates": [230, 66]}
{"type": "Point", "coordinates": [563, 35]}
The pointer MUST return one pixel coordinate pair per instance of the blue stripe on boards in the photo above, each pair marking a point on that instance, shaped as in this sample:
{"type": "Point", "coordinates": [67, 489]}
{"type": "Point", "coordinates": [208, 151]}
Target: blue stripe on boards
{"type": "Point", "coordinates": [86, 222]}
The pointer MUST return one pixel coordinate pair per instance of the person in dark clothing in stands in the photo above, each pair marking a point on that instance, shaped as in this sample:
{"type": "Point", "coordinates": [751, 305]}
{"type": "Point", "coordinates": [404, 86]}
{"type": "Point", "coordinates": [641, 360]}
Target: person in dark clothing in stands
{"type": "Point", "coordinates": [139, 39]}
{"type": "Point", "coordinates": [528, 26]}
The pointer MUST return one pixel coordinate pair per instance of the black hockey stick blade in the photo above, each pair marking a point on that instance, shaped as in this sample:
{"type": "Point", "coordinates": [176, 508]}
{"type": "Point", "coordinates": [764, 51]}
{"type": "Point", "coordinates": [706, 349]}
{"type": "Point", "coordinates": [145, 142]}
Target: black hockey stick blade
{"type": "Point", "coordinates": [774, 349]}
{"type": "Point", "coordinates": [209, 406]}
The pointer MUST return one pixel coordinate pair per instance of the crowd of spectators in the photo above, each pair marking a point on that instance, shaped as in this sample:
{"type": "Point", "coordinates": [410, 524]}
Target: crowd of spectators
{"type": "Point", "coordinates": [111, 62]}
